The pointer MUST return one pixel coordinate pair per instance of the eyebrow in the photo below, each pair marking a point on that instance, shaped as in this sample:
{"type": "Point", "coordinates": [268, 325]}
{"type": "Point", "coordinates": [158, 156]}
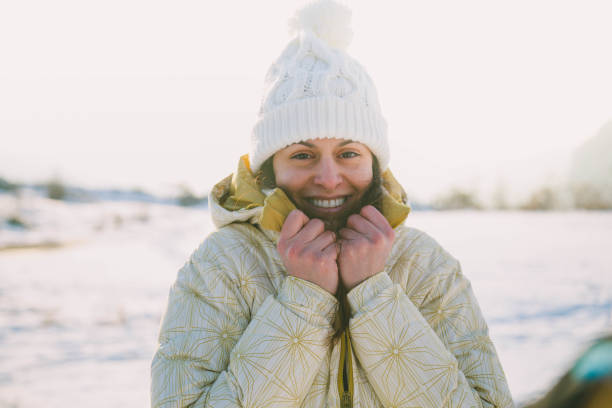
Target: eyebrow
{"type": "Point", "coordinates": [311, 145]}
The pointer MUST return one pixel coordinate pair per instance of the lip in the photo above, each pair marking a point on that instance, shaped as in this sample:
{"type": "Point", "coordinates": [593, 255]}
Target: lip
{"type": "Point", "coordinates": [328, 198]}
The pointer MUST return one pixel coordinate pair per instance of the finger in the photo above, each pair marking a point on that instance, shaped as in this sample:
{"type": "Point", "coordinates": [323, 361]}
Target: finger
{"type": "Point", "coordinates": [372, 214]}
{"type": "Point", "coordinates": [293, 224]}
{"type": "Point", "coordinates": [311, 230]}
{"type": "Point", "coordinates": [322, 241]}
{"type": "Point", "coordinates": [347, 233]}
{"type": "Point", "coordinates": [332, 250]}
{"type": "Point", "coordinates": [362, 225]}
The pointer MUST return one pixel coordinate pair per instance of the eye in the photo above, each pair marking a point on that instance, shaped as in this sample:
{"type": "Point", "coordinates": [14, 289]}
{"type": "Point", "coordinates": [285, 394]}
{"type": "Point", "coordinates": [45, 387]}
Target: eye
{"type": "Point", "coordinates": [349, 154]}
{"type": "Point", "coordinates": [301, 156]}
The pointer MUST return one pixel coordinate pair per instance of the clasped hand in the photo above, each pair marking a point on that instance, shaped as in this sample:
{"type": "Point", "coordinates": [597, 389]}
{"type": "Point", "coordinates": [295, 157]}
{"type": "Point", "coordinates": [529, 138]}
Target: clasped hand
{"type": "Point", "coordinates": [357, 252]}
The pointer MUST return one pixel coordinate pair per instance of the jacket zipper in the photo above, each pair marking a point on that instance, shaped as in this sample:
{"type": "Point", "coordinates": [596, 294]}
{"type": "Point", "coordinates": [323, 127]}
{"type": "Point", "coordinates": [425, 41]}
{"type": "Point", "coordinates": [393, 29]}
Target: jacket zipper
{"type": "Point", "coordinates": [345, 373]}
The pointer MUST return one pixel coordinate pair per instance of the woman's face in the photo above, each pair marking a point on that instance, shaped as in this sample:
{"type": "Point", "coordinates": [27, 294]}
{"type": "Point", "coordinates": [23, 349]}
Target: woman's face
{"type": "Point", "coordinates": [325, 178]}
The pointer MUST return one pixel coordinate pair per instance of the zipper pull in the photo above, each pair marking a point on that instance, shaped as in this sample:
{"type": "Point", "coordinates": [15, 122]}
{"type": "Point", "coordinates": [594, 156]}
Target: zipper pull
{"type": "Point", "coordinates": [346, 401]}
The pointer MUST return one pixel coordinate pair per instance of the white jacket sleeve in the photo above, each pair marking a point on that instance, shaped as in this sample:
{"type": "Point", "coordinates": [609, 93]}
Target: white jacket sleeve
{"type": "Point", "coordinates": [438, 354]}
{"type": "Point", "coordinates": [213, 352]}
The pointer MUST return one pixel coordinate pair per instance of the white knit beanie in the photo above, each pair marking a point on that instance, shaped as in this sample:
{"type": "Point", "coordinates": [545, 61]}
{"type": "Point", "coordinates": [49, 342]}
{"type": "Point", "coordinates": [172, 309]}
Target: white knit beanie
{"type": "Point", "coordinates": [316, 90]}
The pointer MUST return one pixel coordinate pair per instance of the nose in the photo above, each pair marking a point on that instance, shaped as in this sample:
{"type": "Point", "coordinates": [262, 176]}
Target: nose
{"type": "Point", "coordinates": [328, 174]}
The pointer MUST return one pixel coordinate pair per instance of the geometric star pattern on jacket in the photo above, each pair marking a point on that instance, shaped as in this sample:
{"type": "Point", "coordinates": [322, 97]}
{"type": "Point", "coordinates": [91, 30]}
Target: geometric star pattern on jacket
{"type": "Point", "coordinates": [238, 332]}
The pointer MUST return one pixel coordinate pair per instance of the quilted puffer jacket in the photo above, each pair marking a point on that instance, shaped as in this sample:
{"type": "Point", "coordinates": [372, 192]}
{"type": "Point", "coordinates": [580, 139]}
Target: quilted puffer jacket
{"type": "Point", "coordinates": [239, 332]}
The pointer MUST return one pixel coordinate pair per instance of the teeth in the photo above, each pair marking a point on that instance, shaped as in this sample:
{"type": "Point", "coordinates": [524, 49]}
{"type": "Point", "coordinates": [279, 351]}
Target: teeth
{"type": "Point", "coordinates": [329, 203]}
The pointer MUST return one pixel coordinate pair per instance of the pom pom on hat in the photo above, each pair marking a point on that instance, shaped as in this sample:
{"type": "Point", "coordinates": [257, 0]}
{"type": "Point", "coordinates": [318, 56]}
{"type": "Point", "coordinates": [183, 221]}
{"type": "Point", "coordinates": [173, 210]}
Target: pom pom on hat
{"type": "Point", "coordinates": [327, 19]}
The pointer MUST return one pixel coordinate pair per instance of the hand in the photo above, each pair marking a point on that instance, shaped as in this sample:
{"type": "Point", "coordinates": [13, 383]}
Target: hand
{"type": "Point", "coordinates": [308, 251]}
{"type": "Point", "coordinates": [365, 245]}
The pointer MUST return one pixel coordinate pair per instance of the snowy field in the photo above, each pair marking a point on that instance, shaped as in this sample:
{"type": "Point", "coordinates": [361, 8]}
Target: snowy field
{"type": "Point", "coordinates": [82, 292]}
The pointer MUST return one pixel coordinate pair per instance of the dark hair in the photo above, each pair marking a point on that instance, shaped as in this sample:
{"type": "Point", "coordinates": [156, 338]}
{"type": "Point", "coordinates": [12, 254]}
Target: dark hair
{"type": "Point", "coordinates": [374, 194]}
{"type": "Point", "coordinates": [265, 176]}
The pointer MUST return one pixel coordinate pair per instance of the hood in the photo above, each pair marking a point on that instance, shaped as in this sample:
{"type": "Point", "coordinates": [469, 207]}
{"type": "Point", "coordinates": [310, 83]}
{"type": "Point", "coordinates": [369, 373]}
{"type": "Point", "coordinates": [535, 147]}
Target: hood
{"type": "Point", "coordinates": [238, 198]}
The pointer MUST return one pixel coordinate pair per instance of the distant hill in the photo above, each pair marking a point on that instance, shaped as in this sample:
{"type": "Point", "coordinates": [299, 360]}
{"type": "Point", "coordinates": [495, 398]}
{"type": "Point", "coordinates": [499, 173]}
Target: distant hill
{"type": "Point", "coordinates": [69, 193]}
{"type": "Point", "coordinates": [591, 167]}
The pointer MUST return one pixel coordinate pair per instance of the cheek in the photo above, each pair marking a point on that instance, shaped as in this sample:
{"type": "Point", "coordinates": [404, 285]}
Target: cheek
{"type": "Point", "coordinates": [280, 171]}
{"type": "Point", "coordinates": [289, 179]}
{"type": "Point", "coordinates": [362, 178]}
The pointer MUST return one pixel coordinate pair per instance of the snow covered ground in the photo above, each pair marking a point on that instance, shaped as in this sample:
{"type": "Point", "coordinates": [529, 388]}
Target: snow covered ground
{"type": "Point", "coordinates": [83, 290]}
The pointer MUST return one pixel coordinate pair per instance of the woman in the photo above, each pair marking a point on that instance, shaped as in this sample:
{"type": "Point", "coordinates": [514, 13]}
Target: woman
{"type": "Point", "coordinates": [312, 292]}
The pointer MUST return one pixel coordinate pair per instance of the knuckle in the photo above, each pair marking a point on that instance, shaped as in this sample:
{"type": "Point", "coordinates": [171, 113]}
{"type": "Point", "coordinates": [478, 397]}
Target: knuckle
{"type": "Point", "coordinates": [290, 218]}
{"type": "Point", "coordinates": [352, 218]}
{"type": "Point", "coordinates": [292, 252]}
{"type": "Point", "coordinates": [295, 213]}
{"type": "Point", "coordinates": [348, 250]}
{"type": "Point", "coordinates": [319, 260]}
{"type": "Point", "coordinates": [363, 244]}
{"type": "Point", "coordinates": [317, 223]}
{"type": "Point", "coordinates": [378, 239]}
{"type": "Point", "coordinates": [295, 216]}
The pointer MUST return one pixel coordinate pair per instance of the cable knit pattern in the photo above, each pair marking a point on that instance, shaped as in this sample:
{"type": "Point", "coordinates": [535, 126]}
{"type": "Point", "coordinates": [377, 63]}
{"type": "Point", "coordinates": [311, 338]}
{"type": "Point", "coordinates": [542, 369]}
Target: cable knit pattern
{"type": "Point", "coordinates": [316, 91]}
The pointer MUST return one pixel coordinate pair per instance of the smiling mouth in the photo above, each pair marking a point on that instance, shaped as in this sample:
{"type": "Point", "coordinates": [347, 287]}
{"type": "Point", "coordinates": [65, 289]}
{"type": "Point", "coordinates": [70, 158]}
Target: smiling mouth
{"type": "Point", "coordinates": [334, 203]}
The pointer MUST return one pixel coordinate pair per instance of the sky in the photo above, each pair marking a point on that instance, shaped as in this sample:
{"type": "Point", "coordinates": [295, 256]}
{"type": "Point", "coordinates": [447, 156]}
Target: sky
{"type": "Point", "coordinates": [157, 94]}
